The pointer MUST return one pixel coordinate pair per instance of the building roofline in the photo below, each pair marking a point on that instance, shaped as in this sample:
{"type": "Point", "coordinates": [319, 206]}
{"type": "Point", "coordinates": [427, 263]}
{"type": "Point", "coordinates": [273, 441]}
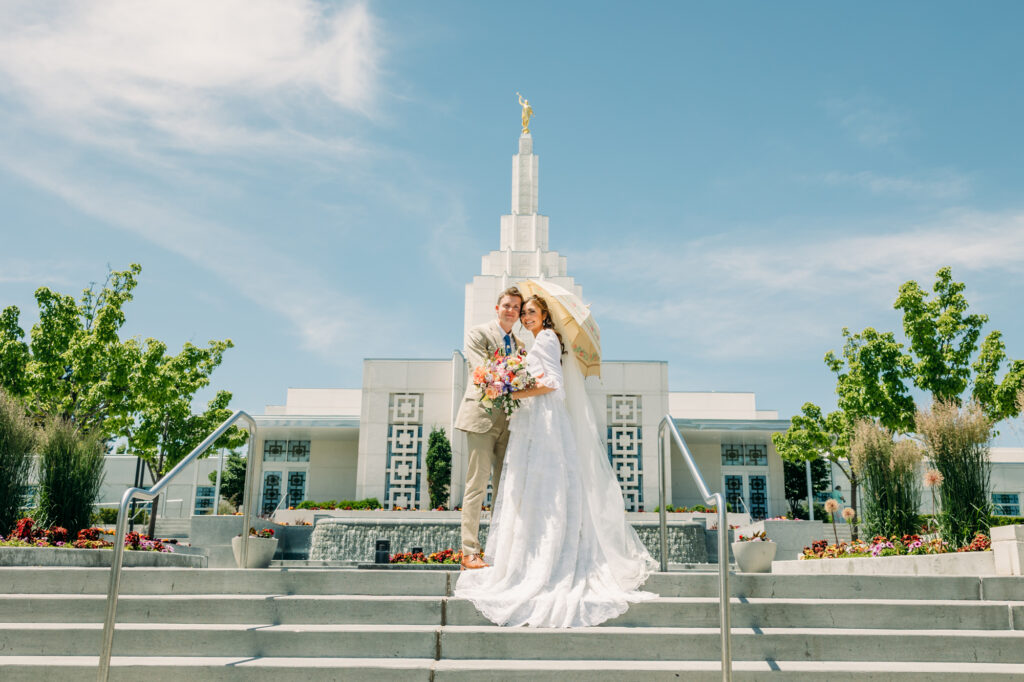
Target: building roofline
{"type": "Point", "coordinates": [732, 424]}
{"type": "Point", "coordinates": [307, 420]}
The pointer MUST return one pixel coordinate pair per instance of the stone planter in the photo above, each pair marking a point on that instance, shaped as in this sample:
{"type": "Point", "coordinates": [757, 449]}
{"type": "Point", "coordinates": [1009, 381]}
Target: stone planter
{"type": "Point", "coordinates": [754, 557]}
{"type": "Point", "coordinates": [953, 563]}
{"type": "Point", "coordinates": [261, 551]}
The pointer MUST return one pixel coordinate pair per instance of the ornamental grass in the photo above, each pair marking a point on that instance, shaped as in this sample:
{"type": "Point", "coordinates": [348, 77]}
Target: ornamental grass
{"type": "Point", "coordinates": [70, 476]}
{"type": "Point", "coordinates": [892, 494]}
{"type": "Point", "coordinates": [17, 438]}
{"type": "Point", "coordinates": [958, 442]}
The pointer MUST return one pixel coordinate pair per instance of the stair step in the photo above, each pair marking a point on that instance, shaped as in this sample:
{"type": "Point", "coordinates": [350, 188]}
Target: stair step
{"type": "Point", "coordinates": [614, 643]}
{"type": "Point", "coordinates": [16, 580]}
{"type": "Point", "coordinates": [709, 671]}
{"type": "Point", "coordinates": [427, 610]}
{"type": "Point", "coordinates": [221, 668]}
{"type": "Point", "coordinates": [222, 581]}
{"type": "Point", "coordinates": [293, 669]}
{"type": "Point", "coordinates": [468, 642]}
{"type": "Point", "coordinates": [234, 639]}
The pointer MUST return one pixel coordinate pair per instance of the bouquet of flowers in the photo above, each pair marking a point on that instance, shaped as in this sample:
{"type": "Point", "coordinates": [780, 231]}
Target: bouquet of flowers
{"type": "Point", "coordinates": [499, 377]}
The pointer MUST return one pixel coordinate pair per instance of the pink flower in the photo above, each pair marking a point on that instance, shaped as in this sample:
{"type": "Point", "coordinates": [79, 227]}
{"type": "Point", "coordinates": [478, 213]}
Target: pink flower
{"type": "Point", "coordinates": [933, 477]}
{"type": "Point", "coordinates": [831, 506]}
{"type": "Point", "coordinates": [848, 513]}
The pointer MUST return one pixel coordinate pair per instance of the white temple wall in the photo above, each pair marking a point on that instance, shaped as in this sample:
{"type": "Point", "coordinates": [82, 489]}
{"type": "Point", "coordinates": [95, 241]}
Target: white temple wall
{"type": "Point", "coordinates": [332, 466]}
{"type": "Point", "coordinates": [402, 401]}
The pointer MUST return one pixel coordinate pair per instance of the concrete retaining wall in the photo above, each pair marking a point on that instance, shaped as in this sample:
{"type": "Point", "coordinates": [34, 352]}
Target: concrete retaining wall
{"type": "Point", "coordinates": [92, 558]}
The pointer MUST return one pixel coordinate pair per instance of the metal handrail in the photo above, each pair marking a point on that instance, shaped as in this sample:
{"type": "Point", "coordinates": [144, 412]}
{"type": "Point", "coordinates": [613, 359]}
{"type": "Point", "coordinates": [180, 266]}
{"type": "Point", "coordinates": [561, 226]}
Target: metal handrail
{"type": "Point", "coordinates": [723, 533]}
{"type": "Point", "coordinates": [151, 493]}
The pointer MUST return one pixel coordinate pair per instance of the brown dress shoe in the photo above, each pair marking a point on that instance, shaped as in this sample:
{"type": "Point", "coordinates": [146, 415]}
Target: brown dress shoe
{"type": "Point", "coordinates": [471, 561]}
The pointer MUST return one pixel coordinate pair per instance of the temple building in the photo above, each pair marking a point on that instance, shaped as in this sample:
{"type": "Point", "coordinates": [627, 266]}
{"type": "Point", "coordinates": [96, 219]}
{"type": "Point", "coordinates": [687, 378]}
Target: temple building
{"type": "Point", "coordinates": [371, 442]}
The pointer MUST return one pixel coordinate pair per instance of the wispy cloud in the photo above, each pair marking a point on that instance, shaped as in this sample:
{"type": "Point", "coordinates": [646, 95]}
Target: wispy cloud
{"type": "Point", "coordinates": [938, 185]}
{"type": "Point", "coordinates": [179, 73]}
{"type": "Point", "coordinates": [868, 119]}
{"type": "Point", "coordinates": [323, 317]}
{"type": "Point", "coordinates": [735, 297]}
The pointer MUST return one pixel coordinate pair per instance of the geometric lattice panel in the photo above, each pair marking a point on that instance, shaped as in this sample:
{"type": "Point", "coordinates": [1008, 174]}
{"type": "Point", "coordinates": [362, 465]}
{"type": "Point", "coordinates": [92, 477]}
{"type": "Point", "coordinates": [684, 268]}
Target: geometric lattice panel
{"type": "Point", "coordinates": [405, 408]}
{"type": "Point", "coordinates": [744, 455]}
{"type": "Point", "coordinates": [625, 447]}
{"type": "Point", "coordinates": [404, 472]}
{"type": "Point", "coordinates": [758, 494]}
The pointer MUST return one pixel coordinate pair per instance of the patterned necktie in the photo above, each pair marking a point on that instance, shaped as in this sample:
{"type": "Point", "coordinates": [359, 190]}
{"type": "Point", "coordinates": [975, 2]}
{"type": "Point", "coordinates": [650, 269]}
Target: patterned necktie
{"type": "Point", "coordinates": [508, 344]}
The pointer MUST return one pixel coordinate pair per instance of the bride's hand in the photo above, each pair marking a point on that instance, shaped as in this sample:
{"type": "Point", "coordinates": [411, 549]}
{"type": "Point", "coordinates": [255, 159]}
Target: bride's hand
{"type": "Point", "coordinates": [539, 389]}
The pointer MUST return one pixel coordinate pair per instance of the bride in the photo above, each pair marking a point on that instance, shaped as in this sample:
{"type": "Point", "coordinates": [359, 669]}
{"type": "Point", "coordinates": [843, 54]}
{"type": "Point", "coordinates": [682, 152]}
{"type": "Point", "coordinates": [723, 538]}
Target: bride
{"type": "Point", "coordinates": [561, 551]}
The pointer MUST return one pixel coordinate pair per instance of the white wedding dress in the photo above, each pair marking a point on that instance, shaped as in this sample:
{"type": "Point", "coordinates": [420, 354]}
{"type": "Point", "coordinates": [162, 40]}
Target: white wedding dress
{"type": "Point", "coordinates": [561, 551]}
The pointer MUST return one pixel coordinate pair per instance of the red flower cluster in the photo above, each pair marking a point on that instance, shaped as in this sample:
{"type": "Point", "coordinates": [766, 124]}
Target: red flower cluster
{"type": "Point", "coordinates": [408, 558]}
{"type": "Point", "coordinates": [23, 530]}
{"type": "Point", "coordinates": [90, 533]}
{"type": "Point", "coordinates": [445, 556]}
{"type": "Point", "coordinates": [57, 534]}
{"type": "Point", "coordinates": [980, 543]}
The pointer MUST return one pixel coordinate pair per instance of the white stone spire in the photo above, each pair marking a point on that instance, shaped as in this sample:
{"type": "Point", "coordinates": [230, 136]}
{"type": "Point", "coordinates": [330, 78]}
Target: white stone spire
{"type": "Point", "coordinates": [523, 252]}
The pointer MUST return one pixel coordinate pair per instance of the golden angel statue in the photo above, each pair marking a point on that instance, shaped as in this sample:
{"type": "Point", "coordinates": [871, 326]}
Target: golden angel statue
{"type": "Point", "coordinates": [527, 113]}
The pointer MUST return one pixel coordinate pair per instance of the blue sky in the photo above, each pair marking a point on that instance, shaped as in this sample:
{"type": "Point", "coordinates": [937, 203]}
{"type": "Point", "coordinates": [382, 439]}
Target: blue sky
{"type": "Point", "coordinates": [732, 183]}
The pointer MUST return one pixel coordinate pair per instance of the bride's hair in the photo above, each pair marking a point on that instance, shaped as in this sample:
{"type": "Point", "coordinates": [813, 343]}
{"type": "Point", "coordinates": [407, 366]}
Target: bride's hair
{"type": "Point", "coordinates": [545, 317]}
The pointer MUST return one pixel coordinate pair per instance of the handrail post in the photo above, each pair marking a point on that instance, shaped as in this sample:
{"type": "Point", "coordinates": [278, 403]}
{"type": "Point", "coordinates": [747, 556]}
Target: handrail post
{"type": "Point", "coordinates": [662, 512]}
{"type": "Point", "coordinates": [115, 582]}
{"type": "Point", "coordinates": [117, 556]}
{"type": "Point", "coordinates": [718, 499]}
{"type": "Point", "coordinates": [249, 500]}
{"type": "Point", "coordinates": [725, 595]}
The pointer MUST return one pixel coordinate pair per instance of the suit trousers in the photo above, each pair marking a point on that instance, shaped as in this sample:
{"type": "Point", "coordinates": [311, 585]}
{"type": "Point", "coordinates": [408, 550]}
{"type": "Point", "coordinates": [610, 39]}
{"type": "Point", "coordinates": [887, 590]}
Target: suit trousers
{"type": "Point", "coordinates": [486, 454]}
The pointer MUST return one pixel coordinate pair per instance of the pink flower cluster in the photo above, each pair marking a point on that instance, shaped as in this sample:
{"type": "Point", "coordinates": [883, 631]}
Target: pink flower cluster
{"type": "Point", "coordinates": [500, 377]}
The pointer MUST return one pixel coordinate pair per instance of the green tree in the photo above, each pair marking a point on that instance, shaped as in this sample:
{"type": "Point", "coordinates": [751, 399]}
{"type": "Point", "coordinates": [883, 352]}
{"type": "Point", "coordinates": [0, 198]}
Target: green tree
{"type": "Point", "coordinates": [439, 467]}
{"type": "Point", "coordinates": [74, 366]}
{"type": "Point", "coordinates": [812, 435]}
{"type": "Point", "coordinates": [870, 380]}
{"type": "Point", "coordinates": [943, 340]}
{"type": "Point", "coordinates": [70, 475]}
{"type": "Point", "coordinates": [232, 479]}
{"type": "Point", "coordinates": [795, 477]}
{"type": "Point", "coordinates": [165, 428]}
{"type": "Point", "coordinates": [17, 438]}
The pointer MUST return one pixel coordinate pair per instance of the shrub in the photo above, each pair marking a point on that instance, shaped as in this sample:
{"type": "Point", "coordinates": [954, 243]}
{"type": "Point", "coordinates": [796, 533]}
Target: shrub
{"type": "Point", "coordinates": [17, 437]}
{"type": "Point", "coordinates": [439, 467]}
{"type": "Point", "coordinates": [957, 441]}
{"type": "Point", "coordinates": [892, 494]}
{"type": "Point", "coordinates": [368, 503]}
{"type": "Point", "coordinates": [70, 476]}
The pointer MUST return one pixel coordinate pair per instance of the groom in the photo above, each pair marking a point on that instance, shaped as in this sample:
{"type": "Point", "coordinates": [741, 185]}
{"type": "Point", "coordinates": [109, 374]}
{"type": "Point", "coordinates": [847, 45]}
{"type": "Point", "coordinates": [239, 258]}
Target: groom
{"type": "Point", "coordinates": [486, 434]}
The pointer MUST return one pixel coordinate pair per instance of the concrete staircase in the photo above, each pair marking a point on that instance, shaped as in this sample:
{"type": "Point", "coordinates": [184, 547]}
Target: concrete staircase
{"type": "Point", "coordinates": [323, 624]}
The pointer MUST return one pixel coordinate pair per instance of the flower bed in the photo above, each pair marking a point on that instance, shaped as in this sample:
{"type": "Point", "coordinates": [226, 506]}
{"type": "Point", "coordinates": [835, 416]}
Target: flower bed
{"type": "Point", "coordinates": [27, 535]}
{"type": "Point", "coordinates": [906, 555]}
{"type": "Point", "coordinates": [880, 546]}
{"type": "Point", "coordinates": [445, 556]}
{"type": "Point", "coordinates": [368, 503]}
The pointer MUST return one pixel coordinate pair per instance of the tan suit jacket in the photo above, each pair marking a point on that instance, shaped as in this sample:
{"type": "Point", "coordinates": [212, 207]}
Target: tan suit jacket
{"type": "Point", "coordinates": [481, 342]}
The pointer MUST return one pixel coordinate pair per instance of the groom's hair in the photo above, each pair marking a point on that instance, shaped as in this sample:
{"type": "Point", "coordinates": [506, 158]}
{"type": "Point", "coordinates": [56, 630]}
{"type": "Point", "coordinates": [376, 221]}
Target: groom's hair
{"type": "Point", "coordinates": [512, 292]}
